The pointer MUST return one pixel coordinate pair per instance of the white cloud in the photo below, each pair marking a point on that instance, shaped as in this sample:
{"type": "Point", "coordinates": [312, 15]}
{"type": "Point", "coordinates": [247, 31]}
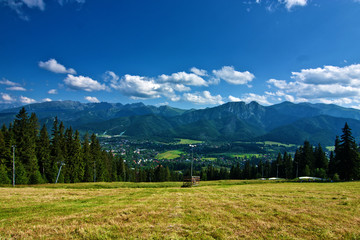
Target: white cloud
{"type": "Point", "coordinates": [47, 100]}
{"type": "Point", "coordinates": [179, 87]}
{"type": "Point", "coordinates": [250, 97]}
{"type": "Point", "coordinates": [19, 6]}
{"type": "Point", "coordinates": [230, 75]}
{"type": "Point", "coordinates": [341, 101]}
{"type": "Point", "coordinates": [199, 72]}
{"type": "Point", "coordinates": [62, 2]}
{"type": "Point", "coordinates": [169, 86]}
{"type": "Point", "coordinates": [92, 99]}
{"type": "Point", "coordinates": [183, 78]}
{"type": "Point", "coordinates": [329, 74]}
{"type": "Point", "coordinates": [7, 82]}
{"type": "Point", "coordinates": [234, 99]}
{"type": "Point", "coordinates": [83, 83]}
{"type": "Point", "coordinates": [329, 84]}
{"type": "Point", "coordinates": [6, 97]}
{"type": "Point", "coordinates": [204, 97]}
{"type": "Point", "coordinates": [53, 66]}
{"type": "Point", "coordinates": [26, 100]}
{"type": "Point", "coordinates": [52, 91]}
{"type": "Point", "coordinates": [162, 104]}
{"type": "Point", "coordinates": [35, 4]}
{"type": "Point", "coordinates": [289, 4]}
{"type": "Point", "coordinates": [111, 77]}
{"type": "Point", "coordinates": [138, 87]}
{"type": "Point", "coordinates": [16, 88]}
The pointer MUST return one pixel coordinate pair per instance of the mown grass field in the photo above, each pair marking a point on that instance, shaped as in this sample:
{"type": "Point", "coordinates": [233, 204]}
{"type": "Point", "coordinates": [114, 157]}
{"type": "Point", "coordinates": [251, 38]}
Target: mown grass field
{"type": "Point", "coordinates": [172, 154]}
{"type": "Point", "coordinates": [189, 141]}
{"type": "Point", "coordinates": [213, 210]}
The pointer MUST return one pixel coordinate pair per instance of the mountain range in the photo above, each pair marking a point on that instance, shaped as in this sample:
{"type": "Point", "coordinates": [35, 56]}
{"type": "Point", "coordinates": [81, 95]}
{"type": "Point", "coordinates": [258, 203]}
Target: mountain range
{"type": "Point", "coordinates": [234, 121]}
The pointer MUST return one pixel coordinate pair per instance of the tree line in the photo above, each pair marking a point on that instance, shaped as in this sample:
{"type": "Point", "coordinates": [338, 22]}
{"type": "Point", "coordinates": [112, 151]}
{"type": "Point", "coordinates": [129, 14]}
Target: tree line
{"type": "Point", "coordinates": [342, 164]}
{"type": "Point", "coordinates": [39, 156]}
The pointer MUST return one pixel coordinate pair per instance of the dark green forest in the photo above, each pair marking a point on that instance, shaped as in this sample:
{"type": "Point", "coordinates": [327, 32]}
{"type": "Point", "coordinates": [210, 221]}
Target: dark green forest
{"type": "Point", "coordinates": [39, 154]}
{"type": "Point", "coordinates": [342, 164]}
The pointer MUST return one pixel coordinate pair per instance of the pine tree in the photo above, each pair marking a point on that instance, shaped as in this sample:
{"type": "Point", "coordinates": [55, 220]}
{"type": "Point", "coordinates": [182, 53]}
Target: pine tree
{"type": "Point", "coordinates": [247, 170]}
{"type": "Point", "coordinates": [43, 154]}
{"type": "Point", "coordinates": [4, 178]}
{"type": "Point", "coordinates": [96, 159]}
{"type": "Point", "coordinates": [56, 153]}
{"type": "Point", "coordinates": [79, 164]}
{"type": "Point", "coordinates": [347, 156]}
{"type": "Point", "coordinates": [7, 151]}
{"type": "Point", "coordinates": [332, 165]}
{"type": "Point", "coordinates": [305, 159]}
{"type": "Point", "coordinates": [288, 164]}
{"type": "Point", "coordinates": [320, 158]}
{"type": "Point", "coordinates": [88, 165]}
{"type": "Point", "coordinates": [321, 162]}
{"type": "Point", "coordinates": [25, 130]}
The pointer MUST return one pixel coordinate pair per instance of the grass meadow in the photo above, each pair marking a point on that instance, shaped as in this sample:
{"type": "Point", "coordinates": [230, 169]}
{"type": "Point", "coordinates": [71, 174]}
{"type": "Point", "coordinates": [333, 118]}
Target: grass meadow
{"type": "Point", "coordinates": [172, 154]}
{"type": "Point", "coordinates": [212, 210]}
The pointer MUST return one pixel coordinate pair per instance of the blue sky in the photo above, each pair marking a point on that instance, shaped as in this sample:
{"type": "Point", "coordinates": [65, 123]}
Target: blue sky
{"type": "Point", "coordinates": [187, 54]}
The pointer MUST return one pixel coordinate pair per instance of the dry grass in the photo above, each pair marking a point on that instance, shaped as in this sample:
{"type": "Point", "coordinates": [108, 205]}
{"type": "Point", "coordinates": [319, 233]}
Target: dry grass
{"type": "Point", "coordinates": [214, 210]}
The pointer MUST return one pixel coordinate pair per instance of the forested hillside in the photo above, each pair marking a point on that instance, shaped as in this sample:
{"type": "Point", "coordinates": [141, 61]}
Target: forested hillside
{"type": "Point", "coordinates": [234, 121]}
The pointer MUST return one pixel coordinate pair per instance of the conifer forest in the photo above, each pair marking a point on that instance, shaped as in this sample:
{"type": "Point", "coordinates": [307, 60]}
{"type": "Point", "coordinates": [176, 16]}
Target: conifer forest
{"type": "Point", "coordinates": [62, 155]}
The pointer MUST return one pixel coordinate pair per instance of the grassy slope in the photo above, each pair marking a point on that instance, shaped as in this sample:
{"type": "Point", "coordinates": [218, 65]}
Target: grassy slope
{"type": "Point", "coordinates": [214, 210]}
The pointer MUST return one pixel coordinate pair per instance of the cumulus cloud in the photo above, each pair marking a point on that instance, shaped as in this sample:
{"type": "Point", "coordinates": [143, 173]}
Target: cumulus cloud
{"type": "Point", "coordinates": [230, 75]}
{"type": "Point", "coordinates": [13, 85]}
{"type": "Point", "coordinates": [234, 99]}
{"type": "Point", "coordinates": [329, 74]}
{"type": "Point", "coordinates": [289, 4]}
{"type": "Point", "coordinates": [170, 86]}
{"type": "Point", "coordinates": [183, 78]}
{"type": "Point", "coordinates": [329, 84]}
{"type": "Point", "coordinates": [199, 72]}
{"type": "Point", "coordinates": [111, 77]}
{"type": "Point", "coordinates": [83, 83]}
{"type": "Point", "coordinates": [16, 88]}
{"type": "Point", "coordinates": [7, 82]}
{"type": "Point", "coordinates": [53, 66]}
{"type": "Point", "coordinates": [26, 100]}
{"type": "Point", "coordinates": [47, 100]}
{"type": "Point", "coordinates": [138, 87]}
{"type": "Point", "coordinates": [52, 91]}
{"type": "Point", "coordinates": [204, 97]}
{"type": "Point", "coordinates": [92, 99]}
{"type": "Point", "coordinates": [250, 97]}
{"type": "Point", "coordinates": [7, 98]}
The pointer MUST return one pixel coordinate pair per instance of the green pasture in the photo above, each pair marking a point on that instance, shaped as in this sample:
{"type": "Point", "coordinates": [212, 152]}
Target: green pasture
{"type": "Point", "coordinates": [170, 154]}
{"type": "Point", "coordinates": [212, 210]}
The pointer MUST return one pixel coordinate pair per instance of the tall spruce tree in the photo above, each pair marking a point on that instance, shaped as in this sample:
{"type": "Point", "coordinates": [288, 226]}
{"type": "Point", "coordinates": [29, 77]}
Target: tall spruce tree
{"type": "Point", "coordinates": [25, 130]}
{"type": "Point", "coordinates": [43, 154]}
{"type": "Point", "coordinates": [288, 165]}
{"type": "Point", "coordinates": [347, 156]}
